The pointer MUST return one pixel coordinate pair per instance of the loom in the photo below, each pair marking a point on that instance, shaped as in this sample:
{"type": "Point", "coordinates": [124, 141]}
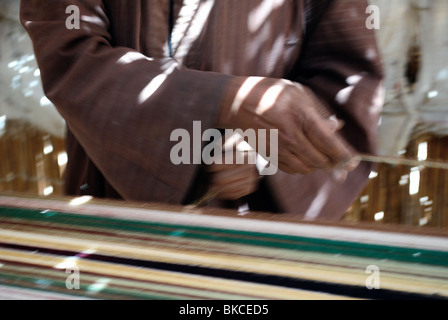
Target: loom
{"type": "Point", "coordinates": [141, 251]}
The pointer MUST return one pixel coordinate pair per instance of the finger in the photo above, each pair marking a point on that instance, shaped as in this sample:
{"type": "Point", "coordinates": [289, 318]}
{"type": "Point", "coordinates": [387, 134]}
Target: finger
{"type": "Point", "coordinates": [220, 186]}
{"type": "Point", "coordinates": [236, 193]}
{"type": "Point", "coordinates": [335, 124]}
{"type": "Point", "coordinates": [228, 165]}
{"type": "Point", "coordinates": [326, 141]}
{"type": "Point", "coordinates": [237, 173]}
{"type": "Point", "coordinates": [236, 189]}
{"type": "Point", "coordinates": [292, 165]}
{"type": "Point", "coordinates": [308, 154]}
{"type": "Point", "coordinates": [352, 165]}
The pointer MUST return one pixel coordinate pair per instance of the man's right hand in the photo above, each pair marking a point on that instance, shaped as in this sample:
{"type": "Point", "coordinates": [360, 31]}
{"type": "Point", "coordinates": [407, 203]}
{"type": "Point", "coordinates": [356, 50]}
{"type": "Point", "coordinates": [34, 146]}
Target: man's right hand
{"type": "Point", "coordinates": [307, 140]}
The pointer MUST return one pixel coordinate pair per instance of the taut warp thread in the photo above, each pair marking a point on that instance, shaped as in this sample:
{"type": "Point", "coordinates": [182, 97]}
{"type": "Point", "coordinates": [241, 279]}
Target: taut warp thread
{"type": "Point", "coordinates": [403, 161]}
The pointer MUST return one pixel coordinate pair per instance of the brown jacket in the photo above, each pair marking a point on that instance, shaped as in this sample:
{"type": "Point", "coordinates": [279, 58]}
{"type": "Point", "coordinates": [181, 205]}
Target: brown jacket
{"type": "Point", "coordinates": [119, 127]}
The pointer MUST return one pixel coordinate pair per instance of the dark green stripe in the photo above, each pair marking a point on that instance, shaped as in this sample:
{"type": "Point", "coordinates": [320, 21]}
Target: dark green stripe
{"type": "Point", "coordinates": [239, 237]}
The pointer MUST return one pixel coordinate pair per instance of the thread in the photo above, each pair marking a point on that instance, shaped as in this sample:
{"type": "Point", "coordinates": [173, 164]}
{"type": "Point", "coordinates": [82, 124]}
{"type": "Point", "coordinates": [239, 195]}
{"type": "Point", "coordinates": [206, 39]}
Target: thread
{"type": "Point", "coordinates": [402, 161]}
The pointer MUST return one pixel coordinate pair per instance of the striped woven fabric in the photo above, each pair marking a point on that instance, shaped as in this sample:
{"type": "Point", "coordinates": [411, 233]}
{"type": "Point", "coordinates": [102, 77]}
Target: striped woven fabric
{"type": "Point", "coordinates": [61, 249]}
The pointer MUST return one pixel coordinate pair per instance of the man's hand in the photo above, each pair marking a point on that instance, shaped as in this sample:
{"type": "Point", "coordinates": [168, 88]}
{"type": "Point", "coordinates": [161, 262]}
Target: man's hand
{"type": "Point", "coordinates": [307, 140]}
{"type": "Point", "coordinates": [234, 181]}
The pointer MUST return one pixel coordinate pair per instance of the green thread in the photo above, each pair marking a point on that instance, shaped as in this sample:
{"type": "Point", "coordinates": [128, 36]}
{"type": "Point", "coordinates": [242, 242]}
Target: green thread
{"type": "Point", "coordinates": [294, 243]}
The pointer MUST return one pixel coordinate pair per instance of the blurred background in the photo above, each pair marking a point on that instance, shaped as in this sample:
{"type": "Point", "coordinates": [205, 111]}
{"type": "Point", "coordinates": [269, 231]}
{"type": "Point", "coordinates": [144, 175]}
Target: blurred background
{"type": "Point", "coordinates": [413, 39]}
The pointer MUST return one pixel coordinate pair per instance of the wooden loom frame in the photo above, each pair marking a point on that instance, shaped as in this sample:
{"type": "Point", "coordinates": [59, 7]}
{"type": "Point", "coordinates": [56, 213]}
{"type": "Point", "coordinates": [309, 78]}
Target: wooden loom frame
{"type": "Point", "coordinates": [163, 252]}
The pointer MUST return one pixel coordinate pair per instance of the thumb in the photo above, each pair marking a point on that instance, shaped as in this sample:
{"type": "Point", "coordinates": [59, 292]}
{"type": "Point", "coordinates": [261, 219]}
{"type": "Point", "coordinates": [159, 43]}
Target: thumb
{"type": "Point", "coordinates": [335, 124]}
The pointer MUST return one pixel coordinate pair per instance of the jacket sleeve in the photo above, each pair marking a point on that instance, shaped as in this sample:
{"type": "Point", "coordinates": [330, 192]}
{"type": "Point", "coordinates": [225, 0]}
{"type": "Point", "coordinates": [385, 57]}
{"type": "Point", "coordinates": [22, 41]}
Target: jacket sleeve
{"type": "Point", "coordinates": [341, 64]}
{"type": "Point", "coordinates": [120, 105]}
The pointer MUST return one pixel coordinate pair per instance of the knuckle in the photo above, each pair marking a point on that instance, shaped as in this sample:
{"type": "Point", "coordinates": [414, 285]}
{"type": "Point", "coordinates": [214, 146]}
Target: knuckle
{"type": "Point", "coordinates": [297, 168]}
{"type": "Point", "coordinates": [307, 123]}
